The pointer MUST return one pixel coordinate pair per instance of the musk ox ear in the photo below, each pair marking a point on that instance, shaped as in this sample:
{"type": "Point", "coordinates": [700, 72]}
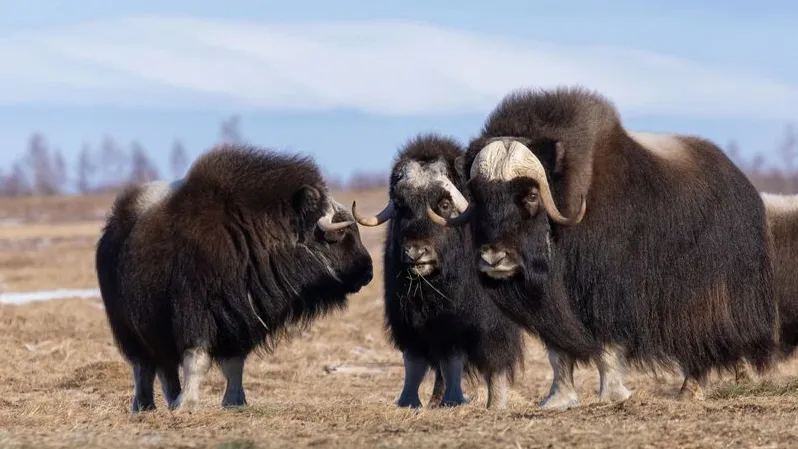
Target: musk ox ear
{"type": "Point", "coordinates": [307, 201]}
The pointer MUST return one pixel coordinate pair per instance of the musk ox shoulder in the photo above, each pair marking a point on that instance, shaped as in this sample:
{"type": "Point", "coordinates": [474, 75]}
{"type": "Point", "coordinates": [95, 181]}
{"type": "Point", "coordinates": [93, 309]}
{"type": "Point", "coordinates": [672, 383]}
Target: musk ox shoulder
{"type": "Point", "coordinates": [436, 311]}
{"type": "Point", "coordinates": [220, 264]}
{"type": "Point", "coordinates": [657, 242]}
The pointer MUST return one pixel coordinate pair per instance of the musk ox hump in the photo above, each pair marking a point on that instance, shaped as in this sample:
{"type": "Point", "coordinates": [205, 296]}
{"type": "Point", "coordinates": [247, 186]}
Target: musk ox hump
{"type": "Point", "coordinates": [150, 195]}
{"type": "Point", "coordinates": [668, 147]}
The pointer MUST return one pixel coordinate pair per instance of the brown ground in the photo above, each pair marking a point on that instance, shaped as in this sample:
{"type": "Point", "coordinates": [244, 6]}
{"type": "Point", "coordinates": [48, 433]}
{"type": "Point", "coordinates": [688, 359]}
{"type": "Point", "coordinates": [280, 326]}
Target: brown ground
{"type": "Point", "coordinates": [63, 384]}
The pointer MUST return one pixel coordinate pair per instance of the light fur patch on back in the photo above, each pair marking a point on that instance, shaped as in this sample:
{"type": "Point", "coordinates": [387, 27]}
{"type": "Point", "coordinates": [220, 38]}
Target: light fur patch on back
{"type": "Point", "coordinates": [666, 146]}
{"type": "Point", "coordinates": [150, 195]}
{"type": "Point", "coordinates": [777, 205]}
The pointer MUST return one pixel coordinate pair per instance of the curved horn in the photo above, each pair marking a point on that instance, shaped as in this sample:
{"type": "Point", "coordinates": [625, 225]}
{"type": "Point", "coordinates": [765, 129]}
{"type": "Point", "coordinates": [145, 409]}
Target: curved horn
{"type": "Point", "coordinates": [325, 222]}
{"type": "Point", "coordinates": [507, 159]}
{"type": "Point", "coordinates": [461, 219]}
{"type": "Point", "coordinates": [385, 215]}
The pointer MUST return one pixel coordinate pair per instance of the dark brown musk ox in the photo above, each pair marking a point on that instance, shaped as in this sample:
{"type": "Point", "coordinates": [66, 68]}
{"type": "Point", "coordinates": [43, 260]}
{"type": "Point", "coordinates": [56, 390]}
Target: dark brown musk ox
{"type": "Point", "coordinates": [436, 311]}
{"type": "Point", "coordinates": [658, 242]}
{"type": "Point", "coordinates": [782, 214]}
{"type": "Point", "coordinates": [217, 265]}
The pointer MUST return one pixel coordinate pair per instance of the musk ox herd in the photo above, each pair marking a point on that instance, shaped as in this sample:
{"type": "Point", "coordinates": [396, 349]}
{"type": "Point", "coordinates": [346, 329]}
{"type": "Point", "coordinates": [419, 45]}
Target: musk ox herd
{"type": "Point", "coordinates": [619, 248]}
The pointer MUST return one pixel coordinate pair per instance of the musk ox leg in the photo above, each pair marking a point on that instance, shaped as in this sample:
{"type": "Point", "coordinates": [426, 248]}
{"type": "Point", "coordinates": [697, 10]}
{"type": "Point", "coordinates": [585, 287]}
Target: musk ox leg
{"type": "Point", "coordinates": [143, 384]}
{"type": "Point", "coordinates": [170, 385]}
{"type": "Point", "coordinates": [498, 386]}
{"type": "Point", "coordinates": [196, 363]}
{"type": "Point", "coordinates": [611, 368]}
{"type": "Point", "coordinates": [233, 370]}
{"type": "Point", "coordinates": [743, 372]}
{"type": "Point", "coordinates": [437, 389]}
{"type": "Point", "coordinates": [415, 370]}
{"type": "Point", "coordinates": [452, 370]}
{"type": "Point", "coordinates": [562, 394]}
{"type": "Point", "coordinates": [693, 388]}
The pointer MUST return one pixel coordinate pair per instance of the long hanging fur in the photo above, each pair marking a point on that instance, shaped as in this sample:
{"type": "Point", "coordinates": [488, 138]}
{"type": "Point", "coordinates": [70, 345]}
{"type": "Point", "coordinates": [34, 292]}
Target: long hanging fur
{"type": "Point", "coordinates": [450, 311]}
{"type": "Point", "coordinates": [226, 260]}
{"type": "Point", "coordinates": [672, 260]}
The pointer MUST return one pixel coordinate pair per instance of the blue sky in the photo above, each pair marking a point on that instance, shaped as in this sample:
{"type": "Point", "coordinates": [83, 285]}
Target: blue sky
{"type": "Point", "coordinates": [349, 81]}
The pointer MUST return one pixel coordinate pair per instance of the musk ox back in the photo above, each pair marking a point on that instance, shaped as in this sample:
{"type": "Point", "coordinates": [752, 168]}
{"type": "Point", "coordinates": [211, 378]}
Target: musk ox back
{"type": "Point", "coordinates": [437, 313]}
{"type": "Point", "coordinates": [219, 264]}
{"type": "Point", "coordinates": [658, 241]}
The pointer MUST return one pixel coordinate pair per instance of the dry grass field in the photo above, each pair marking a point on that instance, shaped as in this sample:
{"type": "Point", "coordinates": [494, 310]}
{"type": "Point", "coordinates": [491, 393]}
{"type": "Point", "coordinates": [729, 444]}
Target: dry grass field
{"type": "Point", "coordinates": [63, 383]}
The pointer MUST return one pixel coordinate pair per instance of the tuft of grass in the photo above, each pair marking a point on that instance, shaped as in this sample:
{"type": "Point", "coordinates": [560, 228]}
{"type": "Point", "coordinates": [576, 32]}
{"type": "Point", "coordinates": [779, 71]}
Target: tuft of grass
{"type": "Point", "coordinates": [767, 388]}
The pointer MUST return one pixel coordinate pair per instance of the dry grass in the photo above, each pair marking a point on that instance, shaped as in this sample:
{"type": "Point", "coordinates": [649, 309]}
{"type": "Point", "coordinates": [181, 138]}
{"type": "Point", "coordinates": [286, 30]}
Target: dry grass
{"type": "Point", "coordinates": [63, 384]}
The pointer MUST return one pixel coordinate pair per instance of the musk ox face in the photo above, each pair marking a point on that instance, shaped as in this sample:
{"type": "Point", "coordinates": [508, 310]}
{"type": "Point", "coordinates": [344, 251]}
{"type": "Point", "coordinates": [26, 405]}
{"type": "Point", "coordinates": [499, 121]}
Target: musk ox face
{"type": "Point", "coordinates": [416, 187]}
{"type": "Point", "coordinates": [511, 229]}
{"type": "Point", "coordinates": [333, 239]}
{"type": "Point", "coordinates": [513, 206]}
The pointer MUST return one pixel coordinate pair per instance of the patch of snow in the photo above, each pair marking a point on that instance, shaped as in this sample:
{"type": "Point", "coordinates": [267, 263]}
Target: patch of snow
{"type": "Point", "coordinates": [48, 295]}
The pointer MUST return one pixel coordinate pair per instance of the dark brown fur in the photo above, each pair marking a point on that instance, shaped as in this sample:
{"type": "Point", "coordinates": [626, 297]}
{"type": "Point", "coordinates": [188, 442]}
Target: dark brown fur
{"type": "Point", "coordinates": [243, 222]}
{"type": "Point", "coordinates": [783, 219]}
{"type": "Point", "coordinates": [671, 262]}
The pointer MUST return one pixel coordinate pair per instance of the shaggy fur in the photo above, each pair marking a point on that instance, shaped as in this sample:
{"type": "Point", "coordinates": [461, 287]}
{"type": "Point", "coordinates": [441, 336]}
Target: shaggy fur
{"type": "Point", "coordinates": [224, 262]}
{"type": "Point", "coordinates": [782, 214]}
{"type": "Point", "coordinates": [672, 260]}
{"type": "Point", "coordinates": [447, 312]}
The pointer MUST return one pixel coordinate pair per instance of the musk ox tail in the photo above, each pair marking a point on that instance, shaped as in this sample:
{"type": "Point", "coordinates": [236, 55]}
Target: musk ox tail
{"type": "Point", "coordinates": [129, 206]}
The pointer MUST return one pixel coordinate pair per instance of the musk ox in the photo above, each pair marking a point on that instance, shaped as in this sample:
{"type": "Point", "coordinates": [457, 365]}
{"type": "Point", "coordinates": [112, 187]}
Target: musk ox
{"type": "Point", "coordinates": [437, 313]}
{"type": "Point", "coordinates": [782, 214]}
{"type": "Point", "coordinates": [217, 265]}
{"type": "Point", "coordinates": [657, 244]}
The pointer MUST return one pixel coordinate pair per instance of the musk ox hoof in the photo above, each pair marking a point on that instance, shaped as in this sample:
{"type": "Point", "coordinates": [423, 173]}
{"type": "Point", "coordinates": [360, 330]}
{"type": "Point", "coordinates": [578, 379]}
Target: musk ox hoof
{"type": "Point", "coordinates": [138, 406]}
{"type": "Point", "coordinates": [617, 394]}
{"type": "Point", "coordinates": [560, 402]}
{"type": "Point", "coordinates": [186, 405]}
{"type": "Point", "coordinates": [409, 402]}
{"type": "Point", "coordinates": [234, 400]}
{"type": "Point", "coordinates": [455, 401]}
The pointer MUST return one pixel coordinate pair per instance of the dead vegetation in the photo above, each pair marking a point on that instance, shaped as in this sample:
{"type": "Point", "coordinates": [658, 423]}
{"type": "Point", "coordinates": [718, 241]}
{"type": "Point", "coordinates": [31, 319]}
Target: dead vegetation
{"type": "Point", "coordinates": [63, 384]}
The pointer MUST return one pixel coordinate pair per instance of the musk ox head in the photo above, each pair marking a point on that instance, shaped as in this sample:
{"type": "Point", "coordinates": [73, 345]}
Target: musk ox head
{"type": "Point", "coordinates": [424, 176]}
{"type": "Point", "coordinates": [513, 205]}
{"type": "Point", "coordinates": [529, 173]}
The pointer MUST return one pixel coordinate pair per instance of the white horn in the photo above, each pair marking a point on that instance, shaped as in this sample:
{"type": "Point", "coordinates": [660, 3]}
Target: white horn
{"type": "Point", "coordinates": [504, 160]}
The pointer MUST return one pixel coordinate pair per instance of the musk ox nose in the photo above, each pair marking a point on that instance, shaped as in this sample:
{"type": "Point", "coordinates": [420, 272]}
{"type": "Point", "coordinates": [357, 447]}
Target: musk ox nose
{"type": "Point", "coordinates": [492, 256]}
{"type": "Point", "coordinates": [415, 252]}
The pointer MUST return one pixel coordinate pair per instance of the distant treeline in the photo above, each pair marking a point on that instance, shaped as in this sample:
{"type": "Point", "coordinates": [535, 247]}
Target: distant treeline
{"type": "Point", "coordinates": [42, 169]}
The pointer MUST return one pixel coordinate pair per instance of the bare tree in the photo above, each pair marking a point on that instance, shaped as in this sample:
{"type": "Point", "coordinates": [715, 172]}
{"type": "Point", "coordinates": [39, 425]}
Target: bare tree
{"type": "Point", "coordinates": [114, 162]}
{"type": "Point", "coordinates": [85, 170]}
{"type": "Point", "coordinates": [60, 175]}
{"type": "Point", "coordinates": [231, 130]}
{"type": "Point", "coordinates": [41, 166]}
{"type": "Point", "coordinates": [16, 183]}
{"type": "Point", "coordinates": [178, 159]}
{"type": "Point", "coordinates": [142, 169]}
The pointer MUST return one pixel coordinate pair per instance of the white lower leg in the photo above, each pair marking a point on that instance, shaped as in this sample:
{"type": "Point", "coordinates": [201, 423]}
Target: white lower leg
{"type": "Point", "coordinates": [562, 393]}
{"type": "Point", "coordinates": [498, 386]}
{"type": "Point", "coordinates": [196, 363]}
{"type": "Point", "coordinates": [611, 368]}
{"type": "Point", "coordinates": [692, 389]}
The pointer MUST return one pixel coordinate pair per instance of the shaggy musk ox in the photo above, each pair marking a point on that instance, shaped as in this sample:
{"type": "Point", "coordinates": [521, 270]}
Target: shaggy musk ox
{"type": "Point", "coordinates": [437, 313]}
{"type": "Point", "coordinates": [782, 213]}
{"type": "Point", "coordinates": [217, 265]}
{"type": "Point", "coordinates": [656, 243]}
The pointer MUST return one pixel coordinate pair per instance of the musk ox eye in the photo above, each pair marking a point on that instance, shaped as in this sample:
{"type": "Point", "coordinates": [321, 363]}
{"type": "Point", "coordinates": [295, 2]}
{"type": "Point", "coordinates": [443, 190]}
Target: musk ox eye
{"type": "Point", "coordinates": [444, 206]}
{"type": "Point", "coordinates": [334, 236]}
